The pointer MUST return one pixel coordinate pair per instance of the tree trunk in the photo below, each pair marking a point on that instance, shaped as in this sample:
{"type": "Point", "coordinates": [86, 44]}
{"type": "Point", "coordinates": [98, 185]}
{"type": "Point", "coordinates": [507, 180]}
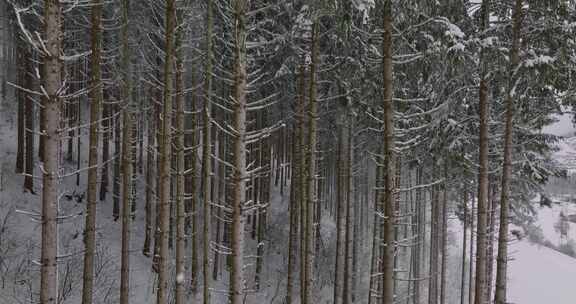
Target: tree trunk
{"type": "Point", "coordinates": [29, 126]}
{"type": "Point", "coordinates": [350, 215]}
{"type": "Point", "coordinates": [190, 188]}
{"type": "Point", "coordinates": [444, 240]}
{"type": "Point", "coordinates": [206, 147]}
{"type": "Point", "coordinates": [165, 155]}
{"type": "Point", "coordinates": [341, 245]}
{"type": "Point", "coordinates": [464, 239]}
{"type": "Point", "coordinates": [150, 184]}
{"type": "Point", "coordinates": [51, 123]}
{"type": "Point", "coordinates": [434, 242]}
{"type": "Point", "coordinates": [239, 155]}
{"type": "Point", "coordinates": [118, 146]}
{"type": "Point", "coordinates": [180, 212]}
{"type": "Point", "coordinates": [311, 168]}
{"type": "Point", "coordinates": [502, 259]}
{"type": "Point", "coordinates": [471, 256]}
{"type": "Point", "coordinates": [95, 104]}
{"type": "Point", "coordinates": [376, 241]}
{"type": "Point", "coordinates": [480, 283]}
{"type": "Point", "coordinates": [105, 148]}
{"type": "Point", "coordinates": [21, 99]}
{"type": "Point", "coordinates": [389, 167]}
{"type": "Point", "coordinates": [127, 160]}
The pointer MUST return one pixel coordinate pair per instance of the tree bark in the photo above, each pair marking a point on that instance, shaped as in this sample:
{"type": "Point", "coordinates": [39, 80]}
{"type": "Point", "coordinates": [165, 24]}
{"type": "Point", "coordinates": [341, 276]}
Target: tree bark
{"type": "Point", "coordinates": [95, 104]}
{"type": "Point", "coordinates": [464, 240]}
{"type": "Point", "coordinates": [21, 99]}
{"type": "Point", "coordinates": [29, 126]}
{"type": "Point", "coordinates": [502, 259]}
{"type": "Point", "coordinates": [444, 240]}
{"type": "Point", "coordinates": [180, 212]}
{"type": "Point", "coordinates": [127, 160]}
{"type": "Point", "coordinates": [341, 245]}
{"type": "Point", "coordinates": [311, 167]}
{"type": "Point", "coordinates": [150, 184]}
{"type": "Point", "coordinates": [389, 166]}
{"type": "Point", "coordinates": [190, 188]}
{"type": "Point", "coordinates": [480, 283]}
{"type": "Point", "coordinates": [239, 155]}
{"type": "Point", "coordinates": [166, 155]}
{"type": "Point", "coordinates": [206, 148]}
{"type": "Point", "coordinates": [51, 124]}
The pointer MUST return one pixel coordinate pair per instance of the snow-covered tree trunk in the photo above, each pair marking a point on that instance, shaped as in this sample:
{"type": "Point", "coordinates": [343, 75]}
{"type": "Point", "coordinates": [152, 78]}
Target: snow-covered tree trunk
{"type": "Point", "coordinates": [295, 184]}
{"type": "Point", "coordinates": [29, 123]}
{"type": "Point", "coordinates": [180, 212]}
{"type": "Point", "coordinates": [240, 174]}
{"type": "Point", "coordinates": [502, 259]}
{"type": "Point", "coordinates": [150, 184]}
{"type": "Point", "coordinates": [389, 194]}
{"type": "Point", "coordinates": [311, 199]}
{"type": "Point", "coordinates": [190, 188]}
{"type": "Point", "coordinates": [484, 113]}
{"type": "Point", "coordinates": [349, 211]}
{"type": "Point", "coordinates": [51, 131]}
{"type": "Point", "coordinates": [376, 236]}
{"type": "Point", "coordinates": [127, 155]}
{"type": "Point", "coordinates": [444, 235]}
{"type": "Point", "coordinates": [165, 155]}
{"type": "Point", "coordinates": [435, 216]}
{"type": "Point", "coordinates": [464, 245]}
{"type": "Point", "coordinates": [341, 209]}
{"type": "Point", "coordinates": [95, 103]}
{"type": "Point", "coordinates": [206, 148]}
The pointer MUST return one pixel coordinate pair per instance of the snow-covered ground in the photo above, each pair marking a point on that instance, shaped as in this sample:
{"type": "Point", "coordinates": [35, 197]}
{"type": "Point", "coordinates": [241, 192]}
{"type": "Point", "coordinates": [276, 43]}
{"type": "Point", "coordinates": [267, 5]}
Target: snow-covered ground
{"type": "Point", "coordinates": [537, 273]}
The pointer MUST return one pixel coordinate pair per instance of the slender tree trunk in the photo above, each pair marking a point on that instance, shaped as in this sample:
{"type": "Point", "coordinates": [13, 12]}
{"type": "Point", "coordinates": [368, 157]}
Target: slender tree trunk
{"type": "Point", "coordinates": [165, 155]}
{"type": "Point", "coordinates": [311, 168]}
{"type": "Point", "coordinates": [471, 256]}
{"type": "Point", "coordinates": [376, 241]}
{"type": "Point", "coordinates": [180, 212]}
{"type": "Point", "coordinates": [303, 194]}
{"type": "Point", "coordinates": [502, 259]}
{"type": "Point", "coordinates": [480, 283]}
{"type": "Point", "coordinates": [190, 188]}
{"type": "Point", "coordinates": [434, 242]}
{"type": "Point", "coordinates": [219, 212]}
{"type": "Point", "coordinates": [263, 199]}
{"type": "Point", "coordinates": [420, 238]}
{"type": "Point", "coordinates": [116, 167]}
{"type": "Point", "coordinates": [296, 183]}
{"type": "Point", "coordinates": [95, 104]}
{"type": "Point", "coordinates": [239, 155]}
{"type": "Point", "coordinates": [206, 147]}
{"type": "Point", "coordinates": [29, 127]}
{"type": "Point", "coordinates": [127, 161]}
{"type": "Point", "coordinates": [444, 241]}
{"type": "Point", "coordinates": [349, 236]}
{"type": "Point", "coordinates": [490, 240]}
{"type": "Point", "coordinates": [339, 268]}
{"type": "Point", "coordinates": [78, 141]}
{"type": "Point", "coordinates": [389, 166]}
{"type": "Point", "coordinates": [150, 184]}
{"type": "Point", "coordinates": [21, 99]}
{"type": "Point", "coordinates": [293, 209]}
{"type": "Point", "coordinates": [105, 148]}
{"type": "Point", "coordinates": [464, 245]}
{"type": "Point", "coordinates": [51, 124]}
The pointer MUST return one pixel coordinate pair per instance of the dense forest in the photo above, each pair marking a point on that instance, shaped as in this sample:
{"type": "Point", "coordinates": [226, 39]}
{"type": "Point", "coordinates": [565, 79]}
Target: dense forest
{"type": "Point", "coordinates": [277, 151]}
